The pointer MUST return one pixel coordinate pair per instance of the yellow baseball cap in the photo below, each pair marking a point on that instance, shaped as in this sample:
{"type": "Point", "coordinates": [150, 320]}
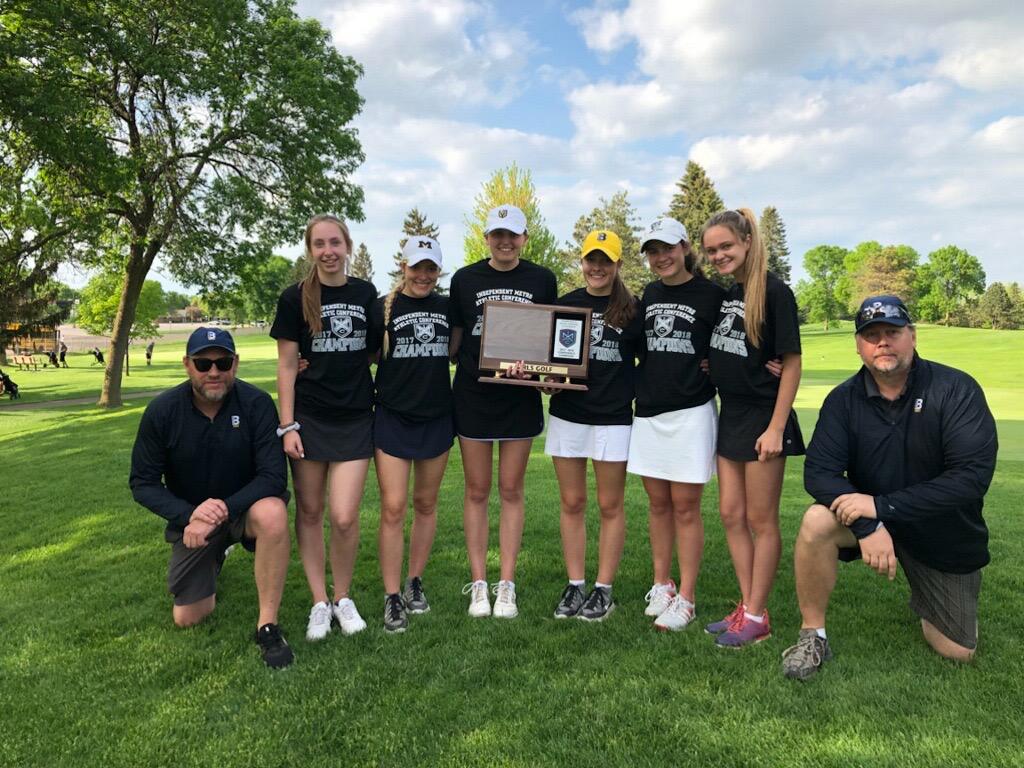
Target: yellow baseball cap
{"type": "Point", "coordinates": [603, 240]}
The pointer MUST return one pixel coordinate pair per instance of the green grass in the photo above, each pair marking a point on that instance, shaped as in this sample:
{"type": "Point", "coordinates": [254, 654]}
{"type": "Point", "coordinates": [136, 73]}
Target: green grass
{"type": "Point", "coordinates": [93, 673]}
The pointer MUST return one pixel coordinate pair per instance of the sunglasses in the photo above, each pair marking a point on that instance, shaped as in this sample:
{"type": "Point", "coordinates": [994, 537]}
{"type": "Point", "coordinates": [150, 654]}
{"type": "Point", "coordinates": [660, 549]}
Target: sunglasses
{"type": "Point", "coordinates": [204, 364]}
{"type": "Point", "coordinates": [884, 311]}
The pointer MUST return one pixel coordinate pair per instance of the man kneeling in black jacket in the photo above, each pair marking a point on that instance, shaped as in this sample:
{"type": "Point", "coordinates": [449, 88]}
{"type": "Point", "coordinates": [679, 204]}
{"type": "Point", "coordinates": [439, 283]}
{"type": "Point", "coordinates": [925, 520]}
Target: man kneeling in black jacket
{"type": "Point", "coordinates": [901, 459]}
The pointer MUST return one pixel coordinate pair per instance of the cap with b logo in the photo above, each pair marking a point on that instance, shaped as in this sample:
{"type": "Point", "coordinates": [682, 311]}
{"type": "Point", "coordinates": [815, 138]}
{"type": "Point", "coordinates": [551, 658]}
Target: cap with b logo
{"type": "Point", "coordinates": [603, 240]}
{"type": "Point", "coordinates": [421, 248]}
{"type": "Point", "coordinates": [506, 217]}
{"type": "Point", "coordinates": [206, 338]}
{"type": "Point", "coordinates": [664, 230]}
{"type": "Point", "coordinates": [881, 309]}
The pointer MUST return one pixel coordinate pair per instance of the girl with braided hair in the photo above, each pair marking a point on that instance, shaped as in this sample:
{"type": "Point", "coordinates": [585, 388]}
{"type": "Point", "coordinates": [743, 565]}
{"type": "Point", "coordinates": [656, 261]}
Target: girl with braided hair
{"type": "Point", "coordinates": [413, 427]}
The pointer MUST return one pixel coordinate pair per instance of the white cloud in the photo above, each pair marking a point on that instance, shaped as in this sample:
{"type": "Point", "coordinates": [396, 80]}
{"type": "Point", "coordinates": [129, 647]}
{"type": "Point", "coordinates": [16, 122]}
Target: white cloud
{"type": "Point", "coordinates": [1004, 135]}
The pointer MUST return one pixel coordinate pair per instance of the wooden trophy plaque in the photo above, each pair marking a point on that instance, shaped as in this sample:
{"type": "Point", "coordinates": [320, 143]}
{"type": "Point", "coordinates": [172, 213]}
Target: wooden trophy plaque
{"type": "Point", "coordinates": [550, 340]}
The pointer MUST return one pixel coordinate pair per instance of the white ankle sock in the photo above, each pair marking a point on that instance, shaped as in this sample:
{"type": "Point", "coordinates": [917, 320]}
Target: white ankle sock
{"type": "Point", "coordinates": [752, 617]}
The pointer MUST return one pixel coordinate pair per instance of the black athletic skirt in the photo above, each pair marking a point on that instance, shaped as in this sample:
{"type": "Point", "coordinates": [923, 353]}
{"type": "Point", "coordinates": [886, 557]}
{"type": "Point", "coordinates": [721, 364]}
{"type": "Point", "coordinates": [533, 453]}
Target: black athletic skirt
{"type": "Point", "coordinates": [740, 423]}
{"type": "Point", "coordinates": [326, 440]}
{"type": "Point", "coordinates": [398, 436]}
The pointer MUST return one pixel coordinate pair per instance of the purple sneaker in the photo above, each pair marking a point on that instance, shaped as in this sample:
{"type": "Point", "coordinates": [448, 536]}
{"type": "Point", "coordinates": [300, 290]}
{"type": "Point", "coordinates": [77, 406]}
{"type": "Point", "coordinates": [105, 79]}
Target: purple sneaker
{"type": "Point", "coordinates": [718, 627]}
{"type": "Point", "coordinates": [743, 632]}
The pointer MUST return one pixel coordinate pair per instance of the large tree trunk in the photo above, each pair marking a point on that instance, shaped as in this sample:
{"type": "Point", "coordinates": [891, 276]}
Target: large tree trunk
{"type": "Point", "coordinates": [135, 275]}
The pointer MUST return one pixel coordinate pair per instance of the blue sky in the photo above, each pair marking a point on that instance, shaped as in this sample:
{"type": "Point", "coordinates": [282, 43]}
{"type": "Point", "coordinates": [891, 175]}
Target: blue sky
{"type": "Point", "coordinates": [899, 122]}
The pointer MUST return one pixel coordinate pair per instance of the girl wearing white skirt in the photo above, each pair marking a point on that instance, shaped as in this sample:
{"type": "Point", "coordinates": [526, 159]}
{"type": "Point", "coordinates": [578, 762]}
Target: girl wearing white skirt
{"type": "Point", "coordinates": [326, 414]}
{"type": "Point", "coordinates": [413, 428]}
{"type": "Point", "coordinates": [672, 446]}
{"type": "Point", "coordinates": [595, 424]}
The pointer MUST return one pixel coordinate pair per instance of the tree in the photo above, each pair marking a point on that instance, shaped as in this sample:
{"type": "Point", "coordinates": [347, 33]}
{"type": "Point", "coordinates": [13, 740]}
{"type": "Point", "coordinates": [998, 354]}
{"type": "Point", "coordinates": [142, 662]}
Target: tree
{"type": "Point", "coordinates": [415, 223]}
{"type": "Point", "coordinates": [100, 302]}
{"type": "Point", "coordinates": [695, 203]}
{"type": "Point", "coordinates": [890, 269]}
{"type": "Point", "coordinates": [618, 215]}
{"type": "Point", "coordinates": [773, 235]}
{"type": "Point", "coordinates": [995, 309]}
{"type": "Point", "coordinates": [951, 277]}
{"type": "Point", "coordinates": [362, 265]}
{"type": "Point", "coordinates": [514, 186]}
{"type": "Point", "coordinates": [1017, 301]}
{"type": "Point", "coordinates": [819, 295]}
{"type": "Point", "coordinates": [206, 132]}
{"type": "Point", "coordinates": [256, 293]}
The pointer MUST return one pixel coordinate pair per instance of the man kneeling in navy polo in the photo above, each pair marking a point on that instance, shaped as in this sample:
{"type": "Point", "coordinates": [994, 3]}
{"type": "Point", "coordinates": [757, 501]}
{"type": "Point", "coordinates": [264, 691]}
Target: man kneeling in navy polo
{"type": "Point", "coordinates": [901, 459]}
{"type": "Point", "coordinates": [208, 460]}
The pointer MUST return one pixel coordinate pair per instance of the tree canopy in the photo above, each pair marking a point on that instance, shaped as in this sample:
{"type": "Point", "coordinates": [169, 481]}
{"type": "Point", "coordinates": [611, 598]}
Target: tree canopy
{"type": "Point", "coordinates": [205, 132]}
{"type": "Point", "coordinates": [773, 235]}
{"type": "Point", "coordinates": [819, 296]}
{"type": "Point", "coordinates": [950, 277]}
{"type": "Point", "coordinates": [513, 186]}
{"type": "Point", "coordinates": [361, 265]}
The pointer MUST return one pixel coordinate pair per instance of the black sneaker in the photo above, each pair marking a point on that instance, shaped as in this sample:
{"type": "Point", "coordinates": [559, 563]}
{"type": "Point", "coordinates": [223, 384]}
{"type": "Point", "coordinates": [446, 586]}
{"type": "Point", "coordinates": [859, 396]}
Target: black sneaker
{"type": "Point", "coordinates": [415, 600]}
{"type": "Point", "coordinates": [597, 606]}
{"type": "Point", "coordinates": [273, 647]}
{"type": "Point", "coordinates": [395, 618]}
{"type": "Point", "coordinates": [571, 602]}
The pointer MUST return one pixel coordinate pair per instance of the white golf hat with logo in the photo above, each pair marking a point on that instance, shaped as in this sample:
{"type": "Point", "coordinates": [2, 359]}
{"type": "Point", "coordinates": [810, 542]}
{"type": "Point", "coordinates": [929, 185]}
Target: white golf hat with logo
{"type": "Point", "coordinates": [664, 230]}
{"type": "Point", "coordinates": [421, 248]}
{"type": "Point", "coordinates": [506, 217]}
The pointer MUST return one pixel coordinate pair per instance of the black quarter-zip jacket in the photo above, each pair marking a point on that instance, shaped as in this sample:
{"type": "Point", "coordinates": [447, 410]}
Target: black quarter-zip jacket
{"type": "Point", "coordinates": [927, 458]}
{"type": "Point", "coordinates": [182, 458]}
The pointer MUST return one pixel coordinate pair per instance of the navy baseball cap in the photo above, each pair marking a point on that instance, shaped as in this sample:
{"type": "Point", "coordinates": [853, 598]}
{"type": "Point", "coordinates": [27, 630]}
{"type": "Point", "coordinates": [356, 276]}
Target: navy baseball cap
{"type": "Point", "coordinates": [881, 309]}
{"type": "Point", "coordinates": [205, 338]}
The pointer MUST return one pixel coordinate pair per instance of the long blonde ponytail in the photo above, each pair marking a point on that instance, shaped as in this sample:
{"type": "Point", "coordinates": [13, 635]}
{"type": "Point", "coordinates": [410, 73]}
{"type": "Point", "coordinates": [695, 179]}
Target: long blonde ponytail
{"type": "Point", "coordinates": [743, 224]}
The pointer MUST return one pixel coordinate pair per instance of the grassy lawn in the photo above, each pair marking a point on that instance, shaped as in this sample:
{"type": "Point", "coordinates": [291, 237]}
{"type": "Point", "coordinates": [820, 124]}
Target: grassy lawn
{"type": "Point", "coordinates": [93, 673]}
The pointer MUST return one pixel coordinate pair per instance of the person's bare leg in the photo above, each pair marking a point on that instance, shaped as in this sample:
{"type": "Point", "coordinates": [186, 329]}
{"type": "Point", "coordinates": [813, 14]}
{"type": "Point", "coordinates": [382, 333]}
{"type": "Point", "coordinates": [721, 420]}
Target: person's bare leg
{"type": "Point", "coordinates": [816, 562]}
{"type": "Point", "coordinates": [572, 488]}
{"type": "Point", "coordinates": [661, 526]}
{"type": "Point", "coordinates": [267, 522]}
{"type": "Point", "coordinates": [477, 466]}
{"type": "Point", "coordinates": [732, 510]}
{"type": "Point", "coordinates": [345, 481]}
{"type": "Point", "coordinates": [513, 456]}
{"type": "Point", "coordinates": [428, 476]}
{"type": "Point", "coordinates": [689, 528]}
{"type": "Point", "coordinates": [309, 479]}
{"type": "Point", "coordinates": [944, 646]}
{"type": "Point", "coordinates": [764, 489]}
{"type": "Point", "coordinates": [191, 614]}
{"type": "Point", "coordinates": [393, 478]}
{"type": "Point", "coordinates": [611, 491]}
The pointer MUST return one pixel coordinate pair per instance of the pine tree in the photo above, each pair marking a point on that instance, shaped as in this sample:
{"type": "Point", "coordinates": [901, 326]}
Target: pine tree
{"type": "Point", "coordinates": [995, 309]}
{"type": "Point", "coordinates": [362, 264]}
{"type": "Point", "coordinates": [694, 203]}
{"type": "Point", "coordinates": [618, 215]}
{"type": "Point", "coordinates": [773, 235]}
{"type": "Point", "coordinates": [415, 224]}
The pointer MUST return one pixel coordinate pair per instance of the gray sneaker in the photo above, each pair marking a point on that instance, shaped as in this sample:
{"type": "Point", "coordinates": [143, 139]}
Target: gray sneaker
{"type": "Point", "coordinates": [802, 660]}
{"type": "Point", "coordinates": [395, 618]}
{"type": "Point", "coordinates": [597, 606]}
{"type": "Point", "coordinates": [571, 602]}
{"type": "Point", "coordinates": [415, 600]}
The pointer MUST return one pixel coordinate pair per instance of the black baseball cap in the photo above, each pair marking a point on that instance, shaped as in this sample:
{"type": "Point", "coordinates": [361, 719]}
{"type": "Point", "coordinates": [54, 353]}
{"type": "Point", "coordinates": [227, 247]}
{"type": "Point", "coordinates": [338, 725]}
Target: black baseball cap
{"type": "Point", "coordinates": [881, 309]}
{"type": "Point", "coordinates": [205, 338]}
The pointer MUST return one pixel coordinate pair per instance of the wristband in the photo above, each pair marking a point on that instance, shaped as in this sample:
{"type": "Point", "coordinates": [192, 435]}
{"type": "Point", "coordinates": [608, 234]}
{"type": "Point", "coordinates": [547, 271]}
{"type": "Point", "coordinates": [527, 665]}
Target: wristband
{"type": "Point", "coordinates": [293, 427]}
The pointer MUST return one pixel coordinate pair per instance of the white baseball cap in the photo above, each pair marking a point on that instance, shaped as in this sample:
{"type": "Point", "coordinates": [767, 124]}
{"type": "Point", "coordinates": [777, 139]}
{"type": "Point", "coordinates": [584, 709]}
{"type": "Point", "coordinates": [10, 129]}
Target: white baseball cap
{"type": "Point", "coordinates": [664, 230]}
{"type": "Point", "coordinates": [506, 217]}
{"type": "Point", "coordinates": [421, 248]}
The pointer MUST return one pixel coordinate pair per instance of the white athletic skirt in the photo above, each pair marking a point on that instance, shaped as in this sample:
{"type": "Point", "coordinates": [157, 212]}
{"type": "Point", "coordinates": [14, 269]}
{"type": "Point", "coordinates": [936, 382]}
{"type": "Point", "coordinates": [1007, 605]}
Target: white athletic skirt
{"type": "Point", "coordinates": [677, 446]}
{"type": "Point", "coordinates": [601, 442]}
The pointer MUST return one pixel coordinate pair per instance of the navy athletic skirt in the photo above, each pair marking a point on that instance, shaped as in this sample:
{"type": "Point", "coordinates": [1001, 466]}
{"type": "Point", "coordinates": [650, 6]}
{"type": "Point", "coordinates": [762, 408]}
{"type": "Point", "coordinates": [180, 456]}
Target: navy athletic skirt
{"type": "Point", "coordinates": [404, 439]}
{"type": "Point", "coordinates": [740, 423]}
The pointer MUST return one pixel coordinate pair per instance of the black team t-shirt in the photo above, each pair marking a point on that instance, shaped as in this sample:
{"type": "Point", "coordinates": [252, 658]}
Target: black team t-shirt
{"type": "Point", "coordinates": [677, 321]}
{"type": "Point", "coordinates": [737, 366]}
{"type": "Point", "coordinates": [413, 378]}
{"type": "Point", "coordinates": [611, 372]}
{"type": "Point", "coordinates": [337, 385]}
{"type": "Point", "coordinates": [492, 411]}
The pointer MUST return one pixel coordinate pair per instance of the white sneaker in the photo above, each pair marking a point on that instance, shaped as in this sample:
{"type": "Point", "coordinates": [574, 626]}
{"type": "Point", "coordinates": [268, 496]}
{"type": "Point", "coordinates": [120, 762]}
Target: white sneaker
{"type": "Point", "coordinates": [505, 602]}
{"type": "Point", "coordinates": [658, 598]}
{"type": "Point", "coordinates": [677, 616]}
{"type": "Point", "coordinates": [348, 617]}
{"type": "Point", "coordinates": [479, 602]}
{"type": "Point", "coordinates": [319, 625]}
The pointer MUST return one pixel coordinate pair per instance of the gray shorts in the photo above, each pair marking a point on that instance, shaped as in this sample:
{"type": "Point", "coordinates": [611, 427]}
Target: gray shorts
{"type": "Point", "coordinates": [192, 573]}
{"type": "Point", "coordinates": [948, 601]}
